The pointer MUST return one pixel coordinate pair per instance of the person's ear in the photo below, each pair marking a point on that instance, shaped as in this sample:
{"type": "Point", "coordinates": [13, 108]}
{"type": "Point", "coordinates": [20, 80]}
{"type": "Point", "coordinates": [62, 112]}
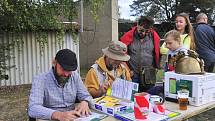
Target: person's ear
{"type": "Point", "coordinates": [54, 62]}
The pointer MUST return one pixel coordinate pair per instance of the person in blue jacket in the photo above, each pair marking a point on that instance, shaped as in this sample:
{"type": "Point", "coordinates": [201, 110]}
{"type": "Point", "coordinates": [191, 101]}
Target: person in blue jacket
{"type": "Point", "coordinates": [205, 41]}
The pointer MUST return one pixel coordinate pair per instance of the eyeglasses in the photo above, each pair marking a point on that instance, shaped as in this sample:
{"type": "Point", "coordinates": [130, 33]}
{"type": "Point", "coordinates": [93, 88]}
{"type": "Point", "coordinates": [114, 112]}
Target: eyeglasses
{"type": "Point", "coordinates": [144, 30]}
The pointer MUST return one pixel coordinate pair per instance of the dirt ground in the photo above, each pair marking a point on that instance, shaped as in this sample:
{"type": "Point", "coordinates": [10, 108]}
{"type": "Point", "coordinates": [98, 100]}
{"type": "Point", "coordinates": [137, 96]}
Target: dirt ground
{"type": "Point", "coordinates": [14, 100]}
{"type": "Point", "coordinates": [13, 103]}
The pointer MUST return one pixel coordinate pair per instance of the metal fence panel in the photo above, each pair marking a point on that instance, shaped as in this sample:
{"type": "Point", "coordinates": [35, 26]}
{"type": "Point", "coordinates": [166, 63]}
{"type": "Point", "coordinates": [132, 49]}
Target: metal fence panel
{"type": "Point", "coordinates": [28, 58]}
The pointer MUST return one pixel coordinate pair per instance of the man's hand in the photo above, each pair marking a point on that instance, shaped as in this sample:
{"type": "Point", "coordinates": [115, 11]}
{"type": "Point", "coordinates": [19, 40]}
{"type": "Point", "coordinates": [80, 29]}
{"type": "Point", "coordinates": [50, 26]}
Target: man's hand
{"type": "Point", "coordinates": [65, 116]}
{"type": "Point", "coordinates": [83, 108]}
{"type": "Point", "coordinates": [103, 88]}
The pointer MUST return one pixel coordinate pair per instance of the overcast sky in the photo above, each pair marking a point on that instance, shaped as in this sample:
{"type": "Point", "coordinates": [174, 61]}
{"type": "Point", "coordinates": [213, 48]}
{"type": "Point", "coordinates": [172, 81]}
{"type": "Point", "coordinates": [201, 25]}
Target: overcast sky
{"type": "Point", "coordinates": [125, 9]}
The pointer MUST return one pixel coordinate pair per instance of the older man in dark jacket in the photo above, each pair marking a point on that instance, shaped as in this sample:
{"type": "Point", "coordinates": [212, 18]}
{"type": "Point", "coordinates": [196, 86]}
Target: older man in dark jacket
{"type": "Point", "coordinates": [205, 41]}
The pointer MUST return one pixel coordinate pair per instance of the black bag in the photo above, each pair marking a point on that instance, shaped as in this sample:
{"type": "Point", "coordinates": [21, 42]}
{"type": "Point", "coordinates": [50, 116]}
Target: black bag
{"type": "Point", "coordinates": [148, 75]}
{"type": "Point", "coordinates": [148, 78]}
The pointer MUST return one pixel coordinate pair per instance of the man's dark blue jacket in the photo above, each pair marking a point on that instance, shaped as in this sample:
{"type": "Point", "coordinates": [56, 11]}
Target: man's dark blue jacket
{"type": "Point", "coordinates": [205, 42]}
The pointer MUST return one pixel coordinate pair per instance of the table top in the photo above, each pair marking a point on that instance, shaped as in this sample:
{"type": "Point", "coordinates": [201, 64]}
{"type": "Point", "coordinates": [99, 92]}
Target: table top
{"type": "Point", "coordinates": [191, 111]}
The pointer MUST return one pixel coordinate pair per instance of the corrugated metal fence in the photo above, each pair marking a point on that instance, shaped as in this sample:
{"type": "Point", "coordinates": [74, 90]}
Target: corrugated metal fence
{"type": "Point", "coordinates": [29, 59]}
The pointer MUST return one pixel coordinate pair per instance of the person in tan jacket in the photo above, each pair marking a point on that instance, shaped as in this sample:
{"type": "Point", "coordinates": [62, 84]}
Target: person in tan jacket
{"type": "Point", "coordinates": [107, 68]}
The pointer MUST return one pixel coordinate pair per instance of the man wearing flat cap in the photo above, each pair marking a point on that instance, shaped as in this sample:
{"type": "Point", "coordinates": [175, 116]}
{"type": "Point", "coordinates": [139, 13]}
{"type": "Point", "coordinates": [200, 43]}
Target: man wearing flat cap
{"type": "Point", "coordinates": [53, 93]}
{"type": "Point", "coordinates": [143, 45]}
{"type": "Point", "coordinates": [107, 68]}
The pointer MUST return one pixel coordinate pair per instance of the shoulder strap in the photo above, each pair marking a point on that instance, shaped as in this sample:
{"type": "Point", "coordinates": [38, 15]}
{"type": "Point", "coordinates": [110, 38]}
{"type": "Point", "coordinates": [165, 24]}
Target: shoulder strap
{"type": "Point", "coordinates": [100, 73]}
{"type": "Point", "coordinates": [185, 38]}
{"type": "Point", "coordinates": [123, 76]}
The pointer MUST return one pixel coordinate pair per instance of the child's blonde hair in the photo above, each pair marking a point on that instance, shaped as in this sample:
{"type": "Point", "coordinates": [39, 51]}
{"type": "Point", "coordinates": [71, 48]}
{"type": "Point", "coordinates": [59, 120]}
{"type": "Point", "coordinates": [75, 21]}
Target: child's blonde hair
{"type": "Point", "coordinates": [175, 34]}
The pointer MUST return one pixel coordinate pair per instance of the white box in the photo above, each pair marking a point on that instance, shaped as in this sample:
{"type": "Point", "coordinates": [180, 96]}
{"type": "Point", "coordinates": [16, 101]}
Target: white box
{"type": "Point", "coordinates": [201, 87]}
{"type": "Point", "coordinates": [122, 91]}
{"type": "Point", "coordinates": [101, 104]}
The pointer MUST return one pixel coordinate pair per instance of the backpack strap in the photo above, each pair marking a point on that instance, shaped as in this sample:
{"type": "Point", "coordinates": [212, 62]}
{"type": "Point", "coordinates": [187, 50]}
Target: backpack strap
{"type": "Point", "coordinates": [101, 75]}
{"type": "Point", "coordinates": [185, 38]}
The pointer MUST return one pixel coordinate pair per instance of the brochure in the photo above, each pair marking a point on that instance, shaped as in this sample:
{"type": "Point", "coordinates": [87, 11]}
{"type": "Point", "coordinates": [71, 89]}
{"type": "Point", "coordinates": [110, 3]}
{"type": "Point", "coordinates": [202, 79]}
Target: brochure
{"type": "Point", "coordinates": [93, 117]}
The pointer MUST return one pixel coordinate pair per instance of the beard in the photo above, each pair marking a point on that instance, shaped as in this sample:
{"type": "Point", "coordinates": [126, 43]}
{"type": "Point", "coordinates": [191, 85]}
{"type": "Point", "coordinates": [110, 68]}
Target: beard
{"type": "Point", "coordinates": [141, 35]}
{"type": "Point", "coordinates": [62, 80]}
{"type": "Point", "coordinates": [109, 67]}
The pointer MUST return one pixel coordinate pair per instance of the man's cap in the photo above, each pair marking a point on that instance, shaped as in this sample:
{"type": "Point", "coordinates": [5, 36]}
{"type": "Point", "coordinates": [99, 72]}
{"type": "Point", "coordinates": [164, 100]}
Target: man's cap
{"type": "Point", "coordinates": [117, 51]}
{"type": "Point", "coordinates": [67, 59]}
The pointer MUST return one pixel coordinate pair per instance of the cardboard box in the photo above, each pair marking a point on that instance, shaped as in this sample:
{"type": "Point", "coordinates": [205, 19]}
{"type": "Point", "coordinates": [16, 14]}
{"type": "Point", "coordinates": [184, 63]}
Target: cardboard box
{"type": "Point", "coordinates": [120, 97]}
{"type": "Point", "coordinates": [201, 87]}
{"type": "Point", "coordinates": [110, 105]}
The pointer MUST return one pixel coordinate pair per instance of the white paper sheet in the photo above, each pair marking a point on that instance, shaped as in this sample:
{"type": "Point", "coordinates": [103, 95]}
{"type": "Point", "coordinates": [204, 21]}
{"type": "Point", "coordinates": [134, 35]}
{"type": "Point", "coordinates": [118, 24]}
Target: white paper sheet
{"type": "Point", "coordinates": [122, 89]}
{"type": "Point", "coordinates": [93, 116]}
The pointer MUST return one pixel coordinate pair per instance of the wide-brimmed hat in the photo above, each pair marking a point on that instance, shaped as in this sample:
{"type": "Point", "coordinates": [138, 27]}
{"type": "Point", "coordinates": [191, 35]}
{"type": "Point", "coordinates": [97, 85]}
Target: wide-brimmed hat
{"type": "Point", "coordinates": [117, 51]}
{"type": "Point", "coordinates": [67, 59]}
